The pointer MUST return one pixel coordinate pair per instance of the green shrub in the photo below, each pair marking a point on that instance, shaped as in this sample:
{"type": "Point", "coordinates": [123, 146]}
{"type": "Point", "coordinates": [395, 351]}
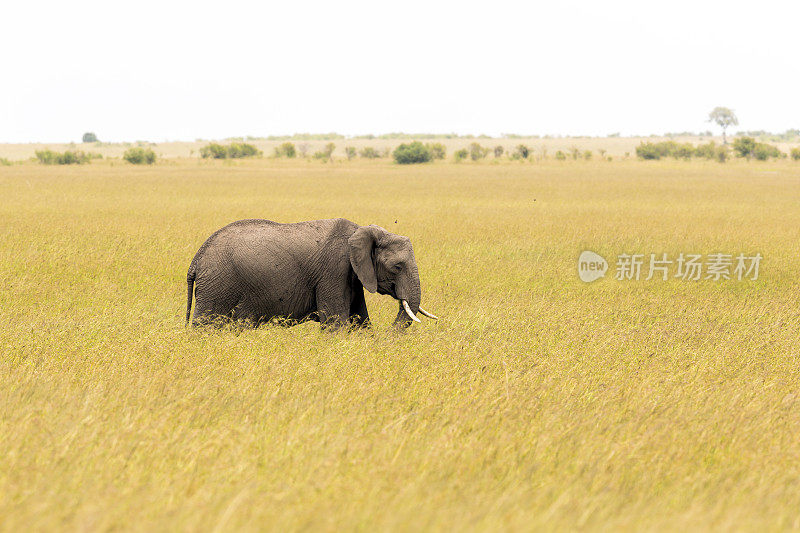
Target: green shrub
{"type": "Point", "coordinates": [476, 151]}
{"type": "Point", "coordinates": [521, 152]}
{"type": "Point", "coordinates": [561, 156]}
{"type": "Point", "coordinates": [49, 157]}
{"type": "Point", "coordinates": [575, 152]}
{"type": "Point", "coordinates": [327, 153]}
{"type": "Point", "coordinates": [414, 152]}
{"type": "Point", "coordinates": [748, 147]}
{"type": "Point", "coordinates": [649, 151]}
{"type": "Point", "coordinates": [460, 155]}
{"type": "Point", "coordinates": [5, 162]}
{"type": "Point", "coordinates": [498, 151]}
{"type": "Point", "coordinates": [587, 155]}
{"type": "Point", "coordinates": [286, 149]}
{"type": "Point", "coordinates": [437, 150]}
{"type": "Point", "coordinates": [706, 151]}
{"type": "Point", "coordinates": [796, 154]}
{"type": "Point", "coordinates": [763, 151]}
{"type": "Point", "coordinates": [721, 153]}
{"type": "Point", "coordinates": [368, 152]}
{"type": "Point", "coordinates": [89, 137]}
{"type": "Point", "coordinates": [140, 156]}
{"type": "Point", "coordinates": [232, 151]}
{"type": "Point", "coordinates": [744, 146]}
{"type": "Point", "coordinates": [240, 150]}
{"type": "Point", "coordinates": [683, 151]}
{"type": "Point", "coordinates": [350, 152]}
{"type": "Point", "coordinates": [214, 151]}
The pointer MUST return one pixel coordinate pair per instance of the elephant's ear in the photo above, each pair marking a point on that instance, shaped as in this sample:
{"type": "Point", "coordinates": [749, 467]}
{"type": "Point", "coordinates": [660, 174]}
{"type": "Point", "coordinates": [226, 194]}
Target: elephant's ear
{"type": "Point", "coordinates": [362, 243]}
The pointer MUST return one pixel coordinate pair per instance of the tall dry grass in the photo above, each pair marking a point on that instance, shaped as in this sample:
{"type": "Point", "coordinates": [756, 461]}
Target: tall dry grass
{"type": "Point", "coordinates": [535, 401]}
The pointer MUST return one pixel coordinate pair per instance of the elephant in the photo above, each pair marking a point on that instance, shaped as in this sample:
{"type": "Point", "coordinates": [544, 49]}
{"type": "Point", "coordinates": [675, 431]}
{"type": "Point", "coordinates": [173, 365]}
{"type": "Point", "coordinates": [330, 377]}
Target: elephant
{"type": "Point", "coordinates": [254, 270]}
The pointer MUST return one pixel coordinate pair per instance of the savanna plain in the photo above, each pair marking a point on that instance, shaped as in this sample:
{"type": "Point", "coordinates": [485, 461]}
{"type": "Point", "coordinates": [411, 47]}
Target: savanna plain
{"type": "Point", "coordinates": [535, 401]}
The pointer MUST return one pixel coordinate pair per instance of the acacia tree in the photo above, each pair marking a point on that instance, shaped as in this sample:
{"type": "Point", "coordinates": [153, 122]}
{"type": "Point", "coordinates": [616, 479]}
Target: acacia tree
{"type": "Point", "coordinates": [724, 117]}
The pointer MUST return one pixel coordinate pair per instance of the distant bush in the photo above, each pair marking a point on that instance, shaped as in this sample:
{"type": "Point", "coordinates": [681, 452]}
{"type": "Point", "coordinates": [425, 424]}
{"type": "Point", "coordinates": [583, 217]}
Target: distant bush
{"type": "Point", "coordinates": [561, 156]}
{"type": "Point", "coordinates": [498, 151]}
{"type": "Point", "coordinates": [368, 152]}
{"type": "Point", "coordinates": [286, 149]}
{"type": "Point", "coordinates": [414, 152]}
{"type": "Point", "coordinates": [214, 151]}
{"type": "Point", "coordinates": [5, 162]}
{"type": "Point", "coordinates": [587, 155]}
{"type": "Point", "coordinates": [711, 150]}
{"type": "Point", "coordinates": [658, 150]}
{"type": "Point", "coordinates": [706, 151]}
{"type": "Point", "coordinates": [648, 151]}
{"type": "Point", "coordinates": [682, 151]}
{"type": "Point", "coordinates": [239, 150]}
{"type": "Point", "coordinates": [350, 152]}
{"type": "Point", "coordinates": [89, 137]}
{"type": "Point", "coordinates": [327, 153]}
{"type": "Point", "coordinates": [476, 151]}
{"type": "Point", "coordinates": [140, 156]}
{"type": "Point", "coordinates": [521, 152]}
{"type": "Point", "coordinates": [460, 155]}
{"type": "Point", "coordinates": [744, 146]}
{"type": "Point", "coordinates": [796, 154]}
{"type": "Point", "coordinates": [437, 150]}
{"type": "Point", "coordinates": [763, 151]}
{"type": "Point", "coordinates": [49, 157]}
{"type": "Point", "coordinates": [748, 147]}
{"type": "Point", "coordinates": [232, 151]}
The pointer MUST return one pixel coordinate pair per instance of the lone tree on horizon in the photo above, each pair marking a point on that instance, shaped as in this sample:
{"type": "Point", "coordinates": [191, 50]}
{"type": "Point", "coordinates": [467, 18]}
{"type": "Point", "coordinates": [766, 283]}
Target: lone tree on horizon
{"type": "Point", "coordinates": [724, 117]}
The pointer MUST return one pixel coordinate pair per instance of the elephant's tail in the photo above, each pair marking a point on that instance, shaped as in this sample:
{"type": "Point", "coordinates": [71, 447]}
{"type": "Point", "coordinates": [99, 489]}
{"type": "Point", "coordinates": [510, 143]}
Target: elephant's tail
{"type": "Point", "coordinates": [190, 276]}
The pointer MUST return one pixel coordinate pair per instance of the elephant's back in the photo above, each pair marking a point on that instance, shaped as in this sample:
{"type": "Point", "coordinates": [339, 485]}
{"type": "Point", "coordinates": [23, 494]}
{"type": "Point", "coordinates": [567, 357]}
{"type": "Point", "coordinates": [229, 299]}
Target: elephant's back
{"type": "Point", "coordinates": [262, 228]}
{"type": "Point", "coordinates": [255, 244]}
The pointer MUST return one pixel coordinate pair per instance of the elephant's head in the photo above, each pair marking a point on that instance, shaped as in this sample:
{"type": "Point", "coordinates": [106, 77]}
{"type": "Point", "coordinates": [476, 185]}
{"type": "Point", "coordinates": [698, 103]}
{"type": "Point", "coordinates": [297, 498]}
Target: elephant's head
{"type": "Point", "coordinates": [384, 262]}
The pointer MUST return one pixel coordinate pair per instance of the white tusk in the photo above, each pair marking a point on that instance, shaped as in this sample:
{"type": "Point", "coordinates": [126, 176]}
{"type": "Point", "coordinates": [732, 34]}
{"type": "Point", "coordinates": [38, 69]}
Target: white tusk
{"type": "Point", "coordinates": [427, 314]}
{"type": "Point", "coordinates": [409, 313]}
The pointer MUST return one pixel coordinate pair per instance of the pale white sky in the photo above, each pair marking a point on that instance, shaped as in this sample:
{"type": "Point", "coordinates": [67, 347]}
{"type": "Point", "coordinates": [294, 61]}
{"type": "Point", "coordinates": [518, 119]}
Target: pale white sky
{"type": "Point", "coordinates": [174, 70]}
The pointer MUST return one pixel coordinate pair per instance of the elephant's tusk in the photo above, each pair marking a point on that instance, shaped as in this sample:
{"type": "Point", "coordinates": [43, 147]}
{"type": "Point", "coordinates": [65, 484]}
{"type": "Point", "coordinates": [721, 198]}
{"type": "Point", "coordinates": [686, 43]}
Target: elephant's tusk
{"type": "Point", "coordinates": [427, 314]}
{"type": "Point", "coordinates": [409, 313]}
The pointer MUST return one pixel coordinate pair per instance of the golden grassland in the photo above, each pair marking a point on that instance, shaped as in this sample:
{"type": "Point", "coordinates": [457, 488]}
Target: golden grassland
{"type": "Point", "coordinates": [540, 147]}
{"type": "Point", "coordinates": [536, 401]}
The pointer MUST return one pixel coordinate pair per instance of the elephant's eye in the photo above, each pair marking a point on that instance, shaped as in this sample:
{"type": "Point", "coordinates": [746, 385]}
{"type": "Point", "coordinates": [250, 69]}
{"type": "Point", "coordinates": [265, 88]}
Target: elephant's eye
{"type": "Point", "coordinates": [397, 267]}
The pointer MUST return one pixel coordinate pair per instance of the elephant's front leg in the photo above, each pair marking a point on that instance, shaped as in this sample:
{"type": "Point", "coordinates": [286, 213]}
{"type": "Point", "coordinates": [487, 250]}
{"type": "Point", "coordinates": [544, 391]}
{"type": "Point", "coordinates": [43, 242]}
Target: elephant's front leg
{"type": "Point", "coordinates": [359, 317]}
{"type": "Point", "coordinates": [333, 304]}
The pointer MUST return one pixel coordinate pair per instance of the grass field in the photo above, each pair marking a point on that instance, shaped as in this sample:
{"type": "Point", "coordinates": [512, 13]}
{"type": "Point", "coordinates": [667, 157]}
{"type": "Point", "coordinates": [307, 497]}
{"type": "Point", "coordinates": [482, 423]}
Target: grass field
{"type": "Point", "coordinates": [535, 401]}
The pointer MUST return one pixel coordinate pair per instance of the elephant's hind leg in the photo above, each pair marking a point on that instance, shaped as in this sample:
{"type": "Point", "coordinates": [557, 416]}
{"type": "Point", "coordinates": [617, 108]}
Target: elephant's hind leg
{"type": "Point", "coordinates": [210, 311]}
{"type": "Point", "coordinates": [244, 314]}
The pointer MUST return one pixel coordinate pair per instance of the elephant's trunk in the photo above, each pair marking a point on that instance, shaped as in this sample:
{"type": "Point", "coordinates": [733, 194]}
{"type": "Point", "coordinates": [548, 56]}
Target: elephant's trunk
{"type": "Point", "coordinates": [408, 292]}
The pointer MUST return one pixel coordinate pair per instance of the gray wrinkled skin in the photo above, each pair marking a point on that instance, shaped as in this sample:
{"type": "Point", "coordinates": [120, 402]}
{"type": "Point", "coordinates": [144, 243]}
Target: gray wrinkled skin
{"type": "Point", "coordinates": [252, 271]}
